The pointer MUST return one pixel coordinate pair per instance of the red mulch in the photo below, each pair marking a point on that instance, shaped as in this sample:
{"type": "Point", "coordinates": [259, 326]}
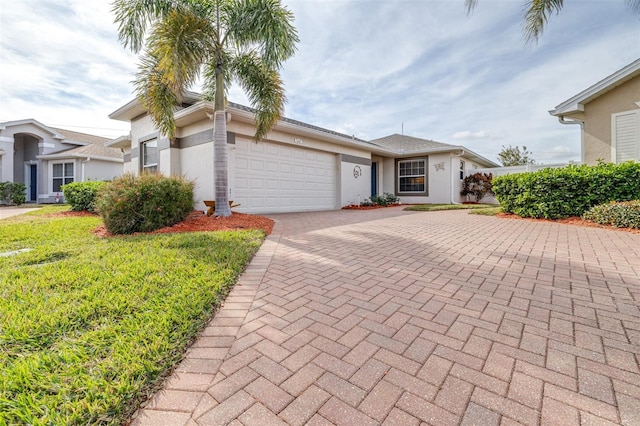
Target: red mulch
{"type": "Point", "coordinates": [574, 220]}
{"type": "Point", "coordinates": [197, 221]}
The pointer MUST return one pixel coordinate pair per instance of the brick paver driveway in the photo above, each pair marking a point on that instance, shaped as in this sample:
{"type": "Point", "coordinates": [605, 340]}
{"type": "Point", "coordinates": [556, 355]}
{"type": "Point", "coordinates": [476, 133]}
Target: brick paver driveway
{"type": "Point", "coordinates": [393, 317]}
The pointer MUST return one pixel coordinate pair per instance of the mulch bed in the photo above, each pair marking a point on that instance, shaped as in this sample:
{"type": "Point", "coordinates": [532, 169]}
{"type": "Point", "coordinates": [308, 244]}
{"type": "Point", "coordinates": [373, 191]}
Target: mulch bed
{"type": "Point", "coordinates": [197, 221]}
{"type": "Point", "coordinates": [574, 220]}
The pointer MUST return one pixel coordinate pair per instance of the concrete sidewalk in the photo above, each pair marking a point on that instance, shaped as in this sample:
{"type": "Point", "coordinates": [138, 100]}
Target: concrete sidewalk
{"type": "Point", "coordinates": [399, 318]}
{"type": "Point", "coordinates": [10, 211]}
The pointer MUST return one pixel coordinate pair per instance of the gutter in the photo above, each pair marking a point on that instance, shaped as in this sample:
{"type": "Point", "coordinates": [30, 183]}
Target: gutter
{"type": "Point", "coordinates": [562, 120]}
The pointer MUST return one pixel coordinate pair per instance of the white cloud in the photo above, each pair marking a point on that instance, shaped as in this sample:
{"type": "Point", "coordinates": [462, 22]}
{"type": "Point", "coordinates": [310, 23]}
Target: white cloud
{"type": "Point", "coordinates": [467, 134]}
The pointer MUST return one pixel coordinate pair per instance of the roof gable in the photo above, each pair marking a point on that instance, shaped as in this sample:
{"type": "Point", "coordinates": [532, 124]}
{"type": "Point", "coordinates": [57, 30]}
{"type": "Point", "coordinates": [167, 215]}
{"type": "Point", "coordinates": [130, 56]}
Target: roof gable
{"type": "Point", "coordinates": [577, 102]}
{"type": "Point", "coordinates": [403, 143]}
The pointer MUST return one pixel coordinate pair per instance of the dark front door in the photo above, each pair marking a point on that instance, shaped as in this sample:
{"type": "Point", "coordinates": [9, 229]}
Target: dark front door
{"type": "Point", "coordinates": [33, 182]}
{"type": "Point", "coordinates": [374, 179]}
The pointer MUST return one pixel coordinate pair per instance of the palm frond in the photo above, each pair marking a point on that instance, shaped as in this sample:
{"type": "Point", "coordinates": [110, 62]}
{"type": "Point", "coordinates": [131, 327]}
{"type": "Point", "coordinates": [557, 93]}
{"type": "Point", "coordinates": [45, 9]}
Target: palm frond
{"type": "Point", "coordinates": [264, 88]}
{"type": "Point", "coordinates": [209, 79]}
{"type": "Point", "coordinates": [537, 16]}
{"type": "Point", "coordinates": [133, 17]}
{"type": "Point", "coordinates": [265, 25]}
{"type": "Point", "coordinates": [155, 95]}
{"type": "Point", "coordinates": [470, 5]}
{"type": "Point", "coordinates": [181, 42]}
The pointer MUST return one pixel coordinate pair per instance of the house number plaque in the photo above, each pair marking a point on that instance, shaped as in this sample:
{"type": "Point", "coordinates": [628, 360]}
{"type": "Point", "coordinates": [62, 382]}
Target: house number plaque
{"type": "Point", "coordinates": [357, 172]}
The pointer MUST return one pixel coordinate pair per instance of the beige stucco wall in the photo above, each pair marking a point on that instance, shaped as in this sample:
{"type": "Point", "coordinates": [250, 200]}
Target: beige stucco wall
{"type": "Point", "coordinates": [443, 169]}
{"type": "Point", "coordinates": [597, 119]}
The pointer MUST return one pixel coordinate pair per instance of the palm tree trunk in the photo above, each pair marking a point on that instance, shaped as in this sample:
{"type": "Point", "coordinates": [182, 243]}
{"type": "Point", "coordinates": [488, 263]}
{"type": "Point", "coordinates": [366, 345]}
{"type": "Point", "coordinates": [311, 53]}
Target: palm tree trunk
{"type": "Point", "coordinates": [220, 162]}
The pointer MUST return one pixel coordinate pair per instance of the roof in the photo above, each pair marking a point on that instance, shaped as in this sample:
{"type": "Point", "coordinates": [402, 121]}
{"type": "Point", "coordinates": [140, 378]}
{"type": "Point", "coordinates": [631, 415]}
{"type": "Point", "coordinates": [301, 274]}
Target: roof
{"type": "Point", "coordinates": [577, 102]}
{"type": "Point", "coordinates": [390, 145]}
{"type": "Point", "coordinates": [403, 143]}
{"type": "Point", "coordinates": [86, 145]}
{"type": "Point", "coordinates": [82, 138]}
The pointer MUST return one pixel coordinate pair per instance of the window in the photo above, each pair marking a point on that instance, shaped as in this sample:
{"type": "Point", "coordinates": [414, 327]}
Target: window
{"type": "Point", "coordinates": [412, 176]}
{"type": "Point", "coordinates": [150, 156]}
{"type": "Point", "coordinates": [461, 170]}
{"type": "Point", "coordinates": [62, 175]}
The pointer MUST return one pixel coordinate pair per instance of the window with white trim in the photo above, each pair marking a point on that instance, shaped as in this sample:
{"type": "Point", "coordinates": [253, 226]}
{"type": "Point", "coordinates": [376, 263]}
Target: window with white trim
{"type": "Point", "coordinates": [461, 170]}
{"type": "Point", "coordinates": [61, 174]}
{"type": "Point", "coordinates": [625, 136]}
{"type": "Point", "coordinates": [150, 156]}
{"type": "Point", "coordinates": [412, 176]}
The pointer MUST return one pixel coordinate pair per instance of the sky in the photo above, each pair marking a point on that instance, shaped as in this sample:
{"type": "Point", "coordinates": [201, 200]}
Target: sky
{"type": "Point", "coordinates": [368, 68]}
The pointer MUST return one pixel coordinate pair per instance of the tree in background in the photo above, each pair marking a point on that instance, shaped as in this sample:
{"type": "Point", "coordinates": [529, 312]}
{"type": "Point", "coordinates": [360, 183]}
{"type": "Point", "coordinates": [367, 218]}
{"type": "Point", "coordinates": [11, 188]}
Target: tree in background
{"type": "Point", "coordinates": [537, 14]}
{"type": "Point", "coordinates": [226, 40]}
{"type": "Point", "coordinates": [513, 156]}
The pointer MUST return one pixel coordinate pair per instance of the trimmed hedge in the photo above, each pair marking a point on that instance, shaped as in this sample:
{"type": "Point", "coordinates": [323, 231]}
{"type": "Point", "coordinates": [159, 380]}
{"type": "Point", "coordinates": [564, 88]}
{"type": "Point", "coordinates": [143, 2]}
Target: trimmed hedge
{"type": "Point", "coordinates": [625, 214]}
{"type": "Point", "coordinates": [144, 203]}
{"type": "Point", "coordinates": [568, 191]}
{"type": "Point", "coordinates": [82, 195]}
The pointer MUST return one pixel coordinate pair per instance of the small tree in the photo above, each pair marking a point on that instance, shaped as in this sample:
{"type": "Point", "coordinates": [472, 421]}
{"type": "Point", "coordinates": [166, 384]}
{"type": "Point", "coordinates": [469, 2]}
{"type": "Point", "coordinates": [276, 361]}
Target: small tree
{"type": "Point", "coordinates": [476, 186]}
{"type": "Point", "coordinates": [513, 156]}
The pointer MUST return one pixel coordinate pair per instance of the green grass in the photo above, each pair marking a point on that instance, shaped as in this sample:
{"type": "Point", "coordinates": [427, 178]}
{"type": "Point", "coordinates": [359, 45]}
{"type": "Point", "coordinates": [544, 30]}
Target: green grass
{"type": "Point", "coordinates": [89, 325]}
{"type": "Point", "coordinates": [437, 207]}
{"type": "Point", "coordinates": [488, 211]}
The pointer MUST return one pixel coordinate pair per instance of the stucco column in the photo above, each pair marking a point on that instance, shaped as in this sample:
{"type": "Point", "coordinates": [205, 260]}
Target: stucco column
{"type": "Point", "coordinates": [6, 158]}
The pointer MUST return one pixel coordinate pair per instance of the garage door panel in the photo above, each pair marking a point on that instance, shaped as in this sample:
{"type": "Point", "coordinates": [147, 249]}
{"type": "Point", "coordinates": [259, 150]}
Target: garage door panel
{"type": "Point", "coordinates": [275, 178]}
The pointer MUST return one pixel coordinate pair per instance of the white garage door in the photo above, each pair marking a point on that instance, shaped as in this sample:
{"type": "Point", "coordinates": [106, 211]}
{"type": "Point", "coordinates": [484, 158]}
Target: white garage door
{"type": "Point", "coordinates": [271, 178]}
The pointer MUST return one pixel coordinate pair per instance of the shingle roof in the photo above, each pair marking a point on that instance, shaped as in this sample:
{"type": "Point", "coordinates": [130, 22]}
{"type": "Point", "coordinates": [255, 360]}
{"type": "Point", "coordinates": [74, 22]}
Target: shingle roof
{"type": "Point", "coordinates": [92, 145]}
{"type": "Point", "coordinates": [398, 142]}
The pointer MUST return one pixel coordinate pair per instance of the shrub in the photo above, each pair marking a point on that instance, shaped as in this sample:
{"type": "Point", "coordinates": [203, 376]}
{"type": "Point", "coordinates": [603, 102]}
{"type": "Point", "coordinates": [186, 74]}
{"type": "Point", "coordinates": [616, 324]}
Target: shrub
{"type": "Point", "coordinates": [13, 192]}
{"type": "Point", "coordinates": [568, 191]}
{"type": "Point", "coordinates": [624, 214]}
{"type": "Point", "coordinates": [476, 186]}
{"type": "Point", "coordinates": [82, 195]}
{"type": "Point", "coordinates": [144, 203]}
{"type": "Point", "coordinates": [384, 199]}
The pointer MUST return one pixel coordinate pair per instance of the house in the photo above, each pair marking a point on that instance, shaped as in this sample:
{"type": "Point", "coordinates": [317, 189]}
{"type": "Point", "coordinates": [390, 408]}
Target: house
{"type": "Point", "coordinates": [45, 158]}
{"type": "Point", "coordinates": [298, 166]}
{"type": "Point", "coordinates": [609, 116]}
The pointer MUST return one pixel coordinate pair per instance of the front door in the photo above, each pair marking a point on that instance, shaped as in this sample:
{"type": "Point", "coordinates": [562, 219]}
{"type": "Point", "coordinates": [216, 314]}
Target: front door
{"type": "Point", "coordinates": [33, 182]}
{"type": "Point", "coordinates": [374, 179]}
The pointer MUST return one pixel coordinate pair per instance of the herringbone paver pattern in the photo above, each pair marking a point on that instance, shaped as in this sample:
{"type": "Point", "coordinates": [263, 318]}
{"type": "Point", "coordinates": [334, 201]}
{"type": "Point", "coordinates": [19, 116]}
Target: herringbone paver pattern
{"type": "Point", "coordinates": [397, 318]}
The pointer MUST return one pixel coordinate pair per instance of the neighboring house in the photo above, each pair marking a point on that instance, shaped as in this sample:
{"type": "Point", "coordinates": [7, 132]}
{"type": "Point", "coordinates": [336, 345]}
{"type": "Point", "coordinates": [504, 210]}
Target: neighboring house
{"type": "Point", "coordinates": [609, 115]}
{"type": "Point", "coordinates": [298, 166]}
{"type": "Point", "coordinates": [45, 158]}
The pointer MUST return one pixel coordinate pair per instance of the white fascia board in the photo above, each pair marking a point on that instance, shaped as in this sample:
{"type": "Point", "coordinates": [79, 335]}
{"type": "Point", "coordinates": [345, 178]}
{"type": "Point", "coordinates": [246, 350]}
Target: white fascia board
{"type": "Point", "coordinates": [576, 103]}
{"type": "Point", "coordinates": [123, 141]}
{"type": "Point", "coordinates": [74, 156]}
{"type": "Point", "coordinates": [36, 123]}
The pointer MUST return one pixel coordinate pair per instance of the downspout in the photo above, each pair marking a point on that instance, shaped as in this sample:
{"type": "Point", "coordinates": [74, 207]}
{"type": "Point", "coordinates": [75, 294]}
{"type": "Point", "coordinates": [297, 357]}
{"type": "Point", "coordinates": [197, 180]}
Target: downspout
{"type": "Point", "coordinates": [562, 120]}
{"type": "Point", "coordinates": [453, 176]}
{"type": "Point", "coordinates": [84, 174]}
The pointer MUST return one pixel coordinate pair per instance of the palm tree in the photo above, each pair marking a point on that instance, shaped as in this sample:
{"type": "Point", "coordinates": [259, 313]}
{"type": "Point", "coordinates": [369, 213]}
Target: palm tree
{"type": "Point", "coordinates": [538, 11]}
{"type": "Point", "coordinates": [224, 41]}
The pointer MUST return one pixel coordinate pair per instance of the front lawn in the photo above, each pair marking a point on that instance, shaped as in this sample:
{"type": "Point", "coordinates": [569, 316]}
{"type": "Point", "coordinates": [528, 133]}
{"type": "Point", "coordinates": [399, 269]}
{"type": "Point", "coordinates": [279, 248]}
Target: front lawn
{"type": "Point", "coordinates": [437, 207]}
{"type": "Point", "coordinates": [88, 325]}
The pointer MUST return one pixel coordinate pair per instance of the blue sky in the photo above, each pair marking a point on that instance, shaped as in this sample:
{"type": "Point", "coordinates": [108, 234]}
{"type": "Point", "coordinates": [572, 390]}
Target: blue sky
{"type": "Point", "coordinates": [365, 68]}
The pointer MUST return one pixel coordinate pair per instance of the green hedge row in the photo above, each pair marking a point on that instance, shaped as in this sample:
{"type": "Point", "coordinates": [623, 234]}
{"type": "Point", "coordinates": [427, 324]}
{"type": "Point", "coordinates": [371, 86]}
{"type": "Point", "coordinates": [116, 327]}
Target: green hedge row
{"type": "Point", "coordinates": [568, 191]}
